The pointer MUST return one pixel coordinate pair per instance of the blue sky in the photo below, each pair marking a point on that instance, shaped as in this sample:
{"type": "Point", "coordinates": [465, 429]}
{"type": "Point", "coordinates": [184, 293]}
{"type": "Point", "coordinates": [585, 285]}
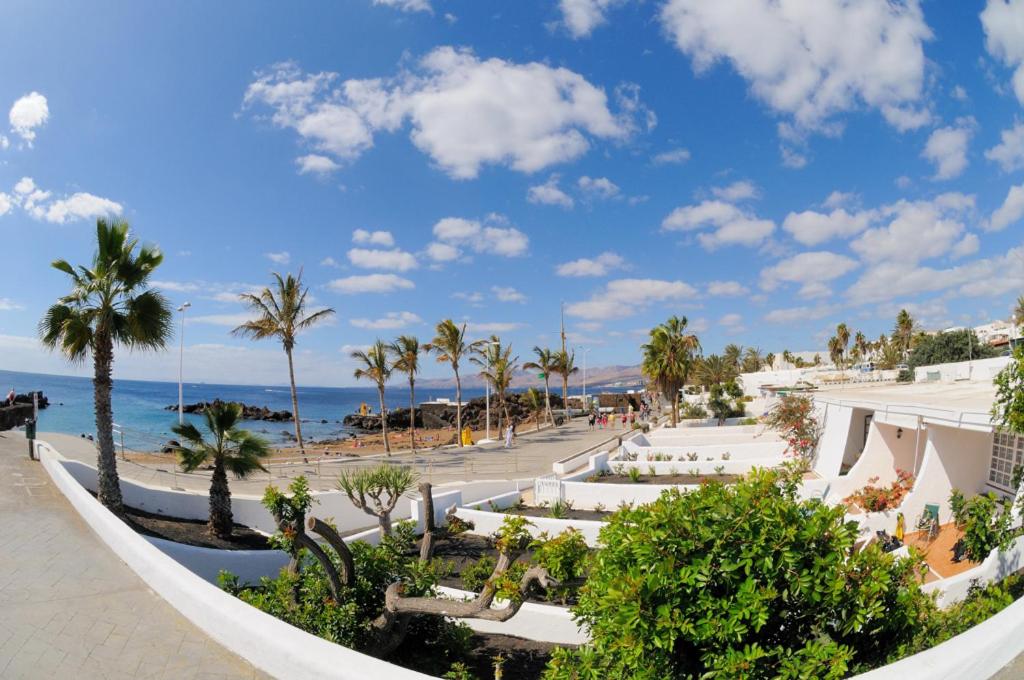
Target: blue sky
{"type": "Point", "coordinates": [767, 171]}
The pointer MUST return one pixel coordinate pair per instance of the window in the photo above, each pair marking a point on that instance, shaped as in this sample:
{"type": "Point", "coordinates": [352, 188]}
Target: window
{"type": "Point", "coordinates": [1007, 454]}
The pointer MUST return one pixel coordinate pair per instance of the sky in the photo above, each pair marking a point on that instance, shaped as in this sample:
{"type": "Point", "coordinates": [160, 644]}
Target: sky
{"type": "Point", "coordinates": [765, 168]}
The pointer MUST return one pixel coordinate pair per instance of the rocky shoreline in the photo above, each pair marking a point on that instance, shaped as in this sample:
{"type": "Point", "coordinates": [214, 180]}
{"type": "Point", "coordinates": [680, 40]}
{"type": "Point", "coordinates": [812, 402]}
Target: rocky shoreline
{"type": "Point", "coordinates": [474, 414]}
{"type": "Point", "coordinates": [248, 412]}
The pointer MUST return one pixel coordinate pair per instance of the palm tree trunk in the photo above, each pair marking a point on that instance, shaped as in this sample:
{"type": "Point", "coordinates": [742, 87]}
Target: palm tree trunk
{"type": "Point", "coordinates": [384, 421]}
{"type": "Point", "coordinates": [565, 398]}
{"type": "Point", "coordinates": [675, 409]}
{"type": "Point", "coordinates": [221, 520]}
{"type": "Point", "coordinates": [547, 401]}
{"type": "Point", "coordinates": [412, 413]}
{"type": "Point", "coordinates": [295, 402]}
{"type": "Point", "coordinates": [458, 406]}
{"type": "Point", "coordinates": [109, 491]}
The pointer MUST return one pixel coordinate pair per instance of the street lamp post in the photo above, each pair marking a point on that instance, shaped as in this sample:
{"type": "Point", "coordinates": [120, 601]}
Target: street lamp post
{"type": "Point", "coordinates": [181, 360]}
{"type": "Point", "coordinates": [585, 350]}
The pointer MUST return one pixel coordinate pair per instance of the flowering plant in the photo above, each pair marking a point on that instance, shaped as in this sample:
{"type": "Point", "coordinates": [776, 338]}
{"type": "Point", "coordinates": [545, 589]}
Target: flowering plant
{"type": "Point", "coordinates": [794, 419]}
{"type": "Point", "coordinates": [877, 499]}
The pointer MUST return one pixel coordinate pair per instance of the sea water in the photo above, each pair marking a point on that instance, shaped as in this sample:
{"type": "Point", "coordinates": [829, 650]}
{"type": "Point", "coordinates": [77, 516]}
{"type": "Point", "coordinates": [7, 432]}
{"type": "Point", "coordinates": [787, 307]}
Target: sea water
{"type": "Point", "coordinates": [140, 406]}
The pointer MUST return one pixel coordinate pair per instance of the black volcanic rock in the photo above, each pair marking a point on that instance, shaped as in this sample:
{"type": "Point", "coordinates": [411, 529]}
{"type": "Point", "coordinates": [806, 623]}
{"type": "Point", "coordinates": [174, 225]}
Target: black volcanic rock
{"type": "Point", "coordinates": [474, 414]}
{"type": "Point", "coordinates": [27, 399]}
{"type": "Point", "coordinates": [248, 412]}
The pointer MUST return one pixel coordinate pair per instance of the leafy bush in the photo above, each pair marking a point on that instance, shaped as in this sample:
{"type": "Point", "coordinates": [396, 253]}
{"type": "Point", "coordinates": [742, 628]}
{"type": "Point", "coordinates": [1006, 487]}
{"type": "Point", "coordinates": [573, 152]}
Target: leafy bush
{"type": "Point", "coordinates": [634, 474]}
{"type": "Point", "coordinates": [948, 347]}
{"type": "Point", "coordinates": [877, 499]}
{"type": "Point", "coordinates": [475, 575]}
{"type": "Point", "coordinates": [744, 580]}
{"type": "Point", "coordinates": [560, 509]}
{"type": "Point", "coordinates": [694, 411]}
{"type": "Point", "coordinates": [985, 520]}
{"type": "Point", "coordinates": [905, 375]}
{"type": "Point", "coordinates": [793, 418]}
{"type": "Point", "coordinates": [564, 556]}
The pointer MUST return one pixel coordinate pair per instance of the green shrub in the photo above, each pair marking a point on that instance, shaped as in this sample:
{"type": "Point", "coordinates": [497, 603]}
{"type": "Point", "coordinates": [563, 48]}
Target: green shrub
{"type": "Point", "coordinates": [985, 520]}
{"type": "Point", "coordinates": [634, 474]}
{"type": "Point", "coordinates": [744, 580]}
{"type": "Point", "coordinates": [475, 575]}
{"type": "Point", "coordinates": [694, 411]}
{"type": "Point", "coordinates": [560, 509]}
{"type": "Point", "coordinates": [905, 375]}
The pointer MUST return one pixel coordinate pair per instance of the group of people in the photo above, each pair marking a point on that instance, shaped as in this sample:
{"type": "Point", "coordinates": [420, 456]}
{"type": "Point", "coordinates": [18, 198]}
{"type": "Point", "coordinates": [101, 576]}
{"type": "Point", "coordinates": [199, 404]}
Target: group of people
{"type": "Point", "coordinates": [626, 418]}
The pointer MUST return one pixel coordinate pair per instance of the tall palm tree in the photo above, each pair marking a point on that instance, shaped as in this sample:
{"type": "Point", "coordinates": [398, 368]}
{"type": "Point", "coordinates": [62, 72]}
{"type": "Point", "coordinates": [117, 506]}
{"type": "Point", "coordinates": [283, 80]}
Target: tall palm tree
{"type": "Point", "coordinates": [231, 448]}
{"type": "Point", "coordinates": [860, 345]}
{"type": "Point", "coordinates": [835, 351]}
{"type": "Point", "coordinates": [546, 364]}
{"type": "Point", "coordinates": [281, 313]}
{"type": "Point", "coordinates": [1018, 311]}
{"type": "Point", "coordinates": [752, 360]}
{"type": "Point", "coordinates": [450, 345]}
{"type": "Point", "coordinates": [497, 366]}
{"type": "Point", "coordinates": [406, 350]}
{"type": "Point", "coordinates": [715, 370]}
{"type": "Point", "coordinates": [668, 358]}
{"type": "Point", "coordinates": [733, 354]}
{"type": "Point", "coordinates": [787, 357]}
{"type": "Point", "coordinates": [769, 361]}
{"type": "Point", "coordinates": [110, 303]}
{"type": "Point", "coordinates": [565, 366]}
{"type": "Point", "coordinates": [376, 367]}
{"type": "Point", "coordinates": [903, 332]}
{"type": "Point", "coordinates": [843, 335]}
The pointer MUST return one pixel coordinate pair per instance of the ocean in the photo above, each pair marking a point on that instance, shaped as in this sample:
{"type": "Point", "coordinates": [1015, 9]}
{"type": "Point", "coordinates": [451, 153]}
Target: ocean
{"type": "Point", "coordinates": [139, 405]}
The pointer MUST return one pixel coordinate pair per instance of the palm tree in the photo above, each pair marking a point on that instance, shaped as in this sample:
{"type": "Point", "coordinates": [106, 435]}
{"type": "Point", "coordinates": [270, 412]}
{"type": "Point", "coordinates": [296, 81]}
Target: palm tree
{"type": "Point", "coordinates": [450, 345]}
{"type": "Point", "coordinates": [281, 313]}
{"type": "Point", "coordinates": [903, 333]}
{"type": "Point", "coordinates": [231, 448]}
{"type": "Point", "coordinates": [787, 357]}
{"type": "Point", "coordinates": [835, 351]}
{"type": "Point", "coordinates": [538, 405]}
{"type": "Point", "coordinates": [497, 366]}
{"type": "Point", "coordinates": [565, 366]}
{"type": "Point", "coordinates": [733, 354]}
{"type": "Point", "coordinates": [715, 370]}
{"type": "Point", "coordinates": [109, 303]}
{"type": "Point", "coordinates": [546, 364]}
{"type": "Point", "coordinates": [843, 335]}
{"type": "Point", "coordinates": [769, 361]}
{"type": "Point", "coordinates": [376, 368]}
{"type": "Point", "coordinates": [752, 360]}
{"type": "Point", "coordinates": [668, 358]}
{"type": "Point", "coordinates": [406, 350]}
{"type": "Point", "coordinates": [1018, 311]}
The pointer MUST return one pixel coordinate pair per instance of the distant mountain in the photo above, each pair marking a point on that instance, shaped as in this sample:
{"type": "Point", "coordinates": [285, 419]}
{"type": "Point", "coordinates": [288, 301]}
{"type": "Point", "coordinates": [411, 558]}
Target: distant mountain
{"type": "Point", "coordinates": [596, 377]}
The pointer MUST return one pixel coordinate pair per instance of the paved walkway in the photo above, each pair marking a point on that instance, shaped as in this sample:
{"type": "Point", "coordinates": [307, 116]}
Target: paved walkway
{"type": "Point", "coordinates": [69, 608]}
{"type": "Point", "coordinates": [532, 455]}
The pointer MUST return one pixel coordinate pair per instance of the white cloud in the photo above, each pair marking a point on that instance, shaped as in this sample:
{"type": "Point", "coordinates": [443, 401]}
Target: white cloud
{"type": "Point", "coordinates": [370, 283]}
{"type": "Point", "coordinates": [1003, 22]}
{"type": "Point", "coordinates": [390, 321]}
{"type": "Point", "coordinates": [727, 288]}
{"type": "Point", "coordinates": [672, 156]}
{"type": "Point", "coordinates": [78, 206]}
{"type": "Point", "coordinates": [968, 245]}
{"type": "Point", "coordinates": [946, 148]}
{"type": "Point", "coordinates": [457, 232]}
{"type": "Point", "coordinates": [6, 203]}
{"type": "Point", "coordinates": [474, 298]}
{"type": "Point", "coordinates": [493, 327]}
{"type": "Point", "coordinates": [838, 199]}
{"type": "Point", "coordinates": [811, 269]}
{"type": "Point", "coordinates": [812, 60]}
{"type": "Point", "coordinates": [315, 163]}
{"type": "Point", "coordinates": [732, 319]}
{"type": "Point", "coordinates": [812, 228]}
{"type": "Point", "coordinates": [549, 193]}
{"type": "Point", "coordinates": [283, 257]}
{"type": "Point", "coordinates": [507, 294]}
{"type": "Point", "coordinates": [375, 238]}
{"type": "Point", "coordinates": [985, 277]}
{"type": "Point", "coordinates": [464, 112]}
{"type": "Point", "coordinates": [601, 265]}
{"type": "Point", "coordinates": [406, 5]}
{"type": "Point", "coordinates": [230, 320]}
{"type": "Point", "coordinates": [1010, 211]}
{"type": "Point", "coordinates": [581, 17]}
{"type": "Point", "coordinates": [397, 260]}
{"type": "Point", "coordinates": [730, 225]}
{"type": "Point", "coordinates": [903, 182]}
{"type": "Point", "coordinates": [600, 187]}
{"type": "Point", "coordinates": [9, 305]}
{"type": "Point", "coordinates": [442, 252]}
{"type": "Point", "coordinates": [917, 230]}
{"type": "Point", "coordinates": [625, 297]}
{"type": "Point", "coordinates": [791, 315]}
{"type": "Point", "coordinates": [176, 286]}
{"type": "Point", "coordinates": [1009, 153]}
{"type": "Point", "coordinates": [329, 262]}
{"type": "Point", "coordinates": [959, 93]}
{"type": "Point", "coordinates": [27, 114]}
{"type": "Point", "coordinates": [737, 191]}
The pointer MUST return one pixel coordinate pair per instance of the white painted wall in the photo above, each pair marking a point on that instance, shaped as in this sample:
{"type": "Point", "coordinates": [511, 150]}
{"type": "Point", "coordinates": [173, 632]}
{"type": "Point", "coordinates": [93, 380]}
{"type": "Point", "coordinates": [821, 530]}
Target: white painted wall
{"type": "Point", "coordinates": [749, 450]}
{"type": "Point", "coordinates": [982, 369]}
{"type": "Point", "coordinates": [486, 523]}
{"type": "Point", "coordinates": [952, 458]}
{"type": "Point", "coordinates": [588, 495]}
{"type": "Point", "coordinates": [248, 565]}
{"type": "Point", "coordinates": [836, 421]}
{"type": "Point", "coordinates": [533, 621]}
{"type": "Point", "coordinates": [701, 467]}
{"type": "Point", "coordinates": [885, 452]}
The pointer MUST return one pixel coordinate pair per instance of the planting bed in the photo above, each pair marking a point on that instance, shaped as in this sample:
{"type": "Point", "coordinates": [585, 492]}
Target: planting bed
{"type": "Point", "coordinates": [192, 531]}
{"type": "Point", "coordinates": [567, 513]}
{"type": "Point", "coordinates": [524, 659]}
{"type": "Point", "coordinates": [663, 479]}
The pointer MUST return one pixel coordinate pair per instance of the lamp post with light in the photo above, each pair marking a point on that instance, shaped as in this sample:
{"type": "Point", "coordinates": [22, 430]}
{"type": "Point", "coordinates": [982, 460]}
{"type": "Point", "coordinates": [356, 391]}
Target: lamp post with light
{"type": "Point", "coordinates": [490, 343]}
{"type": "Point", "coordinates": [181, 361]}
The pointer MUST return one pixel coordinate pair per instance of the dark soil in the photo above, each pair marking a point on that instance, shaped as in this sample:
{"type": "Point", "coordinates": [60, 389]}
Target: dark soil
{"type": "Point", "coordinates": [192, 531]}
{"type": "Point", "coordinates": [531, 511]}
{"type": "Point", "coordinates": [664, 479]}
{"type": "Point", "coordinates": [524, 659]}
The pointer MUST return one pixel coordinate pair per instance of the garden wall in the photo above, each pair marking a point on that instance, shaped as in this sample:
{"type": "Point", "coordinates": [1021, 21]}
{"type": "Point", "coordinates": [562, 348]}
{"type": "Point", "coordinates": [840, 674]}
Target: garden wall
{"type": "Point", "coordinates": [981, 369]}
{"type": "Point", "coordinates": [488, 522]}
{"type": "Point", "coordinates": [701, 467]}
{"type": "Point", "coordinates": [748, 449]}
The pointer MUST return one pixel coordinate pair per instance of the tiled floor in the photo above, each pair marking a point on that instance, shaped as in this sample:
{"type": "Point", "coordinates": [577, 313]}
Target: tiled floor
{"type": "Point", "coordinates": [69, 608]}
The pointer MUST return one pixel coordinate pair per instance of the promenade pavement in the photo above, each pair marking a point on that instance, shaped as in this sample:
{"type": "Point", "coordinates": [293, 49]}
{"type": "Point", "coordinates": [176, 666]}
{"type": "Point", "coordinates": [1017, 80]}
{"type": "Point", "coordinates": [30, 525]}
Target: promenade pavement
{"type": "Point", "coordinates": [69, 608]}
{"type": "Point", "coordinates": [531, 456]}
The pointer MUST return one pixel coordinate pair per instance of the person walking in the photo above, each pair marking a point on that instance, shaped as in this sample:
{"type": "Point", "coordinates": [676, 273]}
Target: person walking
{"type": "Point", "coordinates": [10, 397]}
{"type": "Point", "coordinates": [509, 432]}
{"type": "Point", "coordinates": [592, 419]}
